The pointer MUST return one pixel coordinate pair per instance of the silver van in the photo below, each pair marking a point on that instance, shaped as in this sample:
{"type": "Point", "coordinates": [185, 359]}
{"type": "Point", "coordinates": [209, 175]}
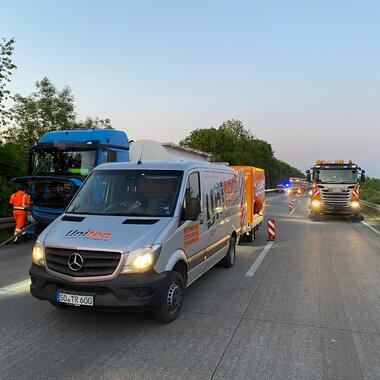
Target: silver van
{"type": "Point", "coordinates": [137, 234]}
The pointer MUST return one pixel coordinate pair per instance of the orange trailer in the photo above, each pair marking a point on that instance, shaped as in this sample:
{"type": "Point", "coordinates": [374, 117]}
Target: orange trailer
{"type": "Point", "coordinates": [255, 199]}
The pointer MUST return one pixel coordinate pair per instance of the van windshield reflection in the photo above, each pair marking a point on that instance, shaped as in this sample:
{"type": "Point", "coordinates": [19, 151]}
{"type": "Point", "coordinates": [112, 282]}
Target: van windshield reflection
{"type": "Point", "coordinates": [129, 193]}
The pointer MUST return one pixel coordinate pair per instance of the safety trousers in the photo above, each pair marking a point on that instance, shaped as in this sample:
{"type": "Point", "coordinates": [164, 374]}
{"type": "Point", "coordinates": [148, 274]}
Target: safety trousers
{"type": "Point", "coordinates": [20, 219]}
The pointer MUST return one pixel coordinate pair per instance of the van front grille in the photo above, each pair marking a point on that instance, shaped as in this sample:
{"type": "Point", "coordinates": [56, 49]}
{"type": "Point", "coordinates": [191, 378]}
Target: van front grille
{"type": "Point", "coordinates": [94, 263]}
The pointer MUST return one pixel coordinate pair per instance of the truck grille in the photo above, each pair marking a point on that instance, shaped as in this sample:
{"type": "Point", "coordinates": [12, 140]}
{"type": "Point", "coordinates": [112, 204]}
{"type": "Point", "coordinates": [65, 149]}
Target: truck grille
{"type": "Point", "coordinates": [336, 199]}
{"type": "Point", "coordinates": [95, 263]}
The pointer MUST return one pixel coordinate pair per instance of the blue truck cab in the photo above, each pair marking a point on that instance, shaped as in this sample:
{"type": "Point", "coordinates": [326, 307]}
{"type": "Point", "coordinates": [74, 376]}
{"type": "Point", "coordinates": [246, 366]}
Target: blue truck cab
{"type": "Point", "coordinates": [61, 161]}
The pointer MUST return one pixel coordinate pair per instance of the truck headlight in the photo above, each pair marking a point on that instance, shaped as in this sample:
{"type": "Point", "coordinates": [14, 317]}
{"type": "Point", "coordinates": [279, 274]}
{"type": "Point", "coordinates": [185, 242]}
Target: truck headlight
{"type": "Point", "coordinates": [38, 254]}
{"type": "Point", "coordinates": [355, 204]}
{"type": "Point", "coordinates": [142, 259]}
{"type": "Point", "coordinates": [315, 203]}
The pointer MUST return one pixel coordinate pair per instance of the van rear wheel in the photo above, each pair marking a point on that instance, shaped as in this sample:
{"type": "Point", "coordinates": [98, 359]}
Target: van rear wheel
{"type": "Point", "coordinates": [229, 260]}
{"type": "Point", "coordinates": [172, 302]}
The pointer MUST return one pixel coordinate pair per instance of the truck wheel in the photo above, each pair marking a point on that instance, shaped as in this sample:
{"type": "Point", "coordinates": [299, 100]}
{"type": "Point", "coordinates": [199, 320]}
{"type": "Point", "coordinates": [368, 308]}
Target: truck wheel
{"type": "Point", "coordinates": [357, 218]}
{"type": "Point", "coordinates": [229, 260]}
{"type": "Point", "coordinates": [171, 305]}
{"type": "Point", "coordinates": [249, 237]}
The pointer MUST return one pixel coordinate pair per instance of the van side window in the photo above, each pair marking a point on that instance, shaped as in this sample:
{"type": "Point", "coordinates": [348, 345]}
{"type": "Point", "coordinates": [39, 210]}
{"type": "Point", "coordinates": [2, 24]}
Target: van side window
{"type": "Point", "coordinates": [193, 189]}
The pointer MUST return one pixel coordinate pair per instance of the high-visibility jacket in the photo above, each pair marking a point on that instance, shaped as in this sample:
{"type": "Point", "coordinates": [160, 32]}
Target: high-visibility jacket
{"type": "Point", "coordinates": [19, 200]}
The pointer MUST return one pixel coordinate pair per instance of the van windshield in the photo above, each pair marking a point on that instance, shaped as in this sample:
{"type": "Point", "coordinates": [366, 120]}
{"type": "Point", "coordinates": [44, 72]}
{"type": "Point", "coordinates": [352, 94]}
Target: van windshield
{"type": "Point", "coordinates": [128, 193]}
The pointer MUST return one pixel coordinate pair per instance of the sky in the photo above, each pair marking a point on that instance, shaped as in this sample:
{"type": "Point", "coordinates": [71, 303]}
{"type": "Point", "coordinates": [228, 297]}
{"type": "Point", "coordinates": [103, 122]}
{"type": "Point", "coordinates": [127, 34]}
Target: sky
{"type": "Point", "coordinates": [303, 75]}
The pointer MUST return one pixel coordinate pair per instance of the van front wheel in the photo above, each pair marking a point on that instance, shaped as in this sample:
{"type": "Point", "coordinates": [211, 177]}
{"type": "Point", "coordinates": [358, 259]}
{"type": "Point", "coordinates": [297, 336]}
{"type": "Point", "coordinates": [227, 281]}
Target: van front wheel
{"type": "Point", "coordinates": [172, 302]}
{"type": "Point", "coordinates": [229, 260]}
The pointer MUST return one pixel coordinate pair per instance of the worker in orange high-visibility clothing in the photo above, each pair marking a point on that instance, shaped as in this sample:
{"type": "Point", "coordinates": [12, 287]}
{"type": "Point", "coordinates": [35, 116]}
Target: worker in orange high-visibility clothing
{"type": "Point", "coordinates": [20, 200]}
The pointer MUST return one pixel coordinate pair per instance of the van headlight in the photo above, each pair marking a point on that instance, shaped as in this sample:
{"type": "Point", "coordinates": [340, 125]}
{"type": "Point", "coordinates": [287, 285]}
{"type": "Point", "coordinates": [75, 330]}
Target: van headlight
{"type": "Point", "coordinates": [142, 259]}
{"type": "Point", "coordinates": [355, 204]}
{"type": "Point", "coordinates": [38, 254]}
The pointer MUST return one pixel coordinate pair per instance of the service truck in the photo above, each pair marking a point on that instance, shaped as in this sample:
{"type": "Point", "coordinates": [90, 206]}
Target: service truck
{"type": "Point", "coordinates": [254, 207]}
{"type": "Point", "coordinates": [335, 188]}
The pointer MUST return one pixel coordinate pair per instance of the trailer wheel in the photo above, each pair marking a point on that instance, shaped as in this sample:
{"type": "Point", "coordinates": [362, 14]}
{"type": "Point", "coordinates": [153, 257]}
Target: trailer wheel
{"type": "Point", "coordinates": [249, 236]}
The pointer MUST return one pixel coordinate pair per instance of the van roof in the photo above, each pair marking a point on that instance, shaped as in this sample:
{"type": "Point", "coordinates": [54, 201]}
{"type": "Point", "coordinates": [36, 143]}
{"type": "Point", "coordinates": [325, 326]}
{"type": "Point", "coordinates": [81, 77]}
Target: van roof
{"type": "Point", "coordinates": [164, 165]}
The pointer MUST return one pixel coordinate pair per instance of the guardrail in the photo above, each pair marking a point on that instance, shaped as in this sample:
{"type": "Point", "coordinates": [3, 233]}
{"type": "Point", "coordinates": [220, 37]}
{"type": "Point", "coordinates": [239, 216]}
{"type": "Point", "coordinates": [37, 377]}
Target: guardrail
{"type": "Point", "coordinates": [270, 190]}
{"type": "Point", "coordinates": [6, 223]}
{"type": "Point", "coordinates": [369, 204]}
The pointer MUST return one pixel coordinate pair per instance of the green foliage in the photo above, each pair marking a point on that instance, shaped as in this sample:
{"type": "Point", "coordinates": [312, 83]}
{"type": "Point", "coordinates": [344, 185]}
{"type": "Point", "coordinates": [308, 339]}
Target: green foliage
{"type": "Point", "coordinates": [5, 193]}
{"type": "Point", "coordinates": [46, 109]}
{"type": "Point", "coordinates": [94, 123]}
{"type": "Point", "coordinates": [235, 144]}
{"type": "Point", "coordinates": [6, 68]}
{"type": "Point", "coordinates": [370, 190]}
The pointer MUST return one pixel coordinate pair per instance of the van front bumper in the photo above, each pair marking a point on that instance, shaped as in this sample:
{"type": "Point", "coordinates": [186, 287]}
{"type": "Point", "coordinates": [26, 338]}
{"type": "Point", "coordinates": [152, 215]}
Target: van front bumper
{"type": "Point", "coordinates": [134, 292]}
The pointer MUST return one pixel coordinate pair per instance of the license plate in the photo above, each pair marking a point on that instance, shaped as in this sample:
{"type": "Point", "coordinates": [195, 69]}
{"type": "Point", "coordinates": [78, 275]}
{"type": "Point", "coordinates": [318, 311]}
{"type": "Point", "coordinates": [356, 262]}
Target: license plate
{"type": "Point", "coordinates": [75, 299]}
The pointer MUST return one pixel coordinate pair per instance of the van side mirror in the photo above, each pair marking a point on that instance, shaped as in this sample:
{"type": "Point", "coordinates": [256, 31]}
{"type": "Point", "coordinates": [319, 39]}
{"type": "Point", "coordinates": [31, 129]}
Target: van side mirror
{"type": "Point", "coordinates": [308, 176]}
{"type": "Point", "coordinates": [193, 209]}
{"type": "Point", "coordinates": [362, 176]}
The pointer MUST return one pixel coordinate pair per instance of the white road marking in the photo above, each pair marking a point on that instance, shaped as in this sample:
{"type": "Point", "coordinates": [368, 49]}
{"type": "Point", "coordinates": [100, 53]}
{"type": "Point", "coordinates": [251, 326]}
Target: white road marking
{"type": "Point", "coordinates": [258, 261]}
{"type": "Point", "coordinates": [17, 287]}
{"type": "Point", "coordinates": [371, 228]}
{"type": "Point", "coordinates": [292, 212]}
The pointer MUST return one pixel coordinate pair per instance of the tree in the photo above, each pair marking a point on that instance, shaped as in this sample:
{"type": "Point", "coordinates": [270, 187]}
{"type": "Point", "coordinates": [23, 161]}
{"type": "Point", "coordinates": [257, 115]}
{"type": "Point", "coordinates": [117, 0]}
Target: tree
{"type": "Point", "coordinates": [46, 109]}
{"type": "Point", "coordinates": [94, 123]}
{"type": "Point", "coordinates": [235, 144]}
{"type": "Point", "coordinates": [6, 68]}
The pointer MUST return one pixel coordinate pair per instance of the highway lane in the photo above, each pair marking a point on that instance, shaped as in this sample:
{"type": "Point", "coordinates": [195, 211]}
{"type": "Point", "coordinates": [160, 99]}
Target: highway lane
{"type": "Point", "coordinates": [311, 310]}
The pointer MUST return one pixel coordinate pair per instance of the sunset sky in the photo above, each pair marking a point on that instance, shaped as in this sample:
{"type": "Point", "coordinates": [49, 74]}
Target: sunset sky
{"type": "Point", "coordinates": [303, 75]}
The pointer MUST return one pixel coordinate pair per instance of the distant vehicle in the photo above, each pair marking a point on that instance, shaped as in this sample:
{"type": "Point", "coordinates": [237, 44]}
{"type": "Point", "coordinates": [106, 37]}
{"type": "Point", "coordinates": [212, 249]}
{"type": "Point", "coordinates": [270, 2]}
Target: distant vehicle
{"type": "Point", "coordinates": [297, 186]}
{"type": "Point", "coordinates": [61, 161]}
{"type": "Point", "coordinates": [255, 200]}
{"type": "Point", "coordinates": [137, 234]}
{"type": "Point", "coordinates": [335, 188]}
{"type": "Point", "coordinates": [281, 188]}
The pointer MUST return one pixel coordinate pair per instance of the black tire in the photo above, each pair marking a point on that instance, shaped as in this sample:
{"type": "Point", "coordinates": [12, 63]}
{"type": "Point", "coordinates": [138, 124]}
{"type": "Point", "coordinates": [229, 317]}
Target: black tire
{"type": "Point", "coordinates": [357, 218]}
{"type": "Point", "coordinates": [229, 260]}
{"type": "Point", "coordinates": [312, 215]}
{"type": "Point", "coordinates": [249, 237]}
{"type": "Point", "coordinates": [171, 304]}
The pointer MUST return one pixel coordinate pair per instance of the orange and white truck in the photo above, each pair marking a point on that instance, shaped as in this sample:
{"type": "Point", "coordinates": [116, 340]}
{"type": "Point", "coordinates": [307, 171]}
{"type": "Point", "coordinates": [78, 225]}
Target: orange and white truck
{"type": "Point", "coordinates": [254, 209]}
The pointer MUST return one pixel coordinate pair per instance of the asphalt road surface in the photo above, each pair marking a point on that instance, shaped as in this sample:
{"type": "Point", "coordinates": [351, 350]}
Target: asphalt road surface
{"type": "Point", "coordinates": [305, 307]}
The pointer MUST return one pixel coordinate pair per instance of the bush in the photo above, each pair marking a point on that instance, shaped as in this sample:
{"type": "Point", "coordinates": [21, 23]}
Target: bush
{"type": "Point", "coordinates": [370, 190]}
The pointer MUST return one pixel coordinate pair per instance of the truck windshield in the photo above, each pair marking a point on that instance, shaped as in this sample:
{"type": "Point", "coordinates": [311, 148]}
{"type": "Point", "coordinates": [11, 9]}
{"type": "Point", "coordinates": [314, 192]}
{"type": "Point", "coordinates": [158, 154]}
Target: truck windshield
{"type": "Point", "coordinates": [63, 162]}
{"type": "Point", "coordinates": [129, 193]}
{"type": "Point", "coordinates": [335, 176]}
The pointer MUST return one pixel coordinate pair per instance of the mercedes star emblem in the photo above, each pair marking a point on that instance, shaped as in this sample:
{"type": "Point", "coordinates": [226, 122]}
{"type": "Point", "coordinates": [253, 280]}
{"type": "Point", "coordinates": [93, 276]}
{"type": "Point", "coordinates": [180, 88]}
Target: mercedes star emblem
{"type": "Point", "coordinates": [75, 262]}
